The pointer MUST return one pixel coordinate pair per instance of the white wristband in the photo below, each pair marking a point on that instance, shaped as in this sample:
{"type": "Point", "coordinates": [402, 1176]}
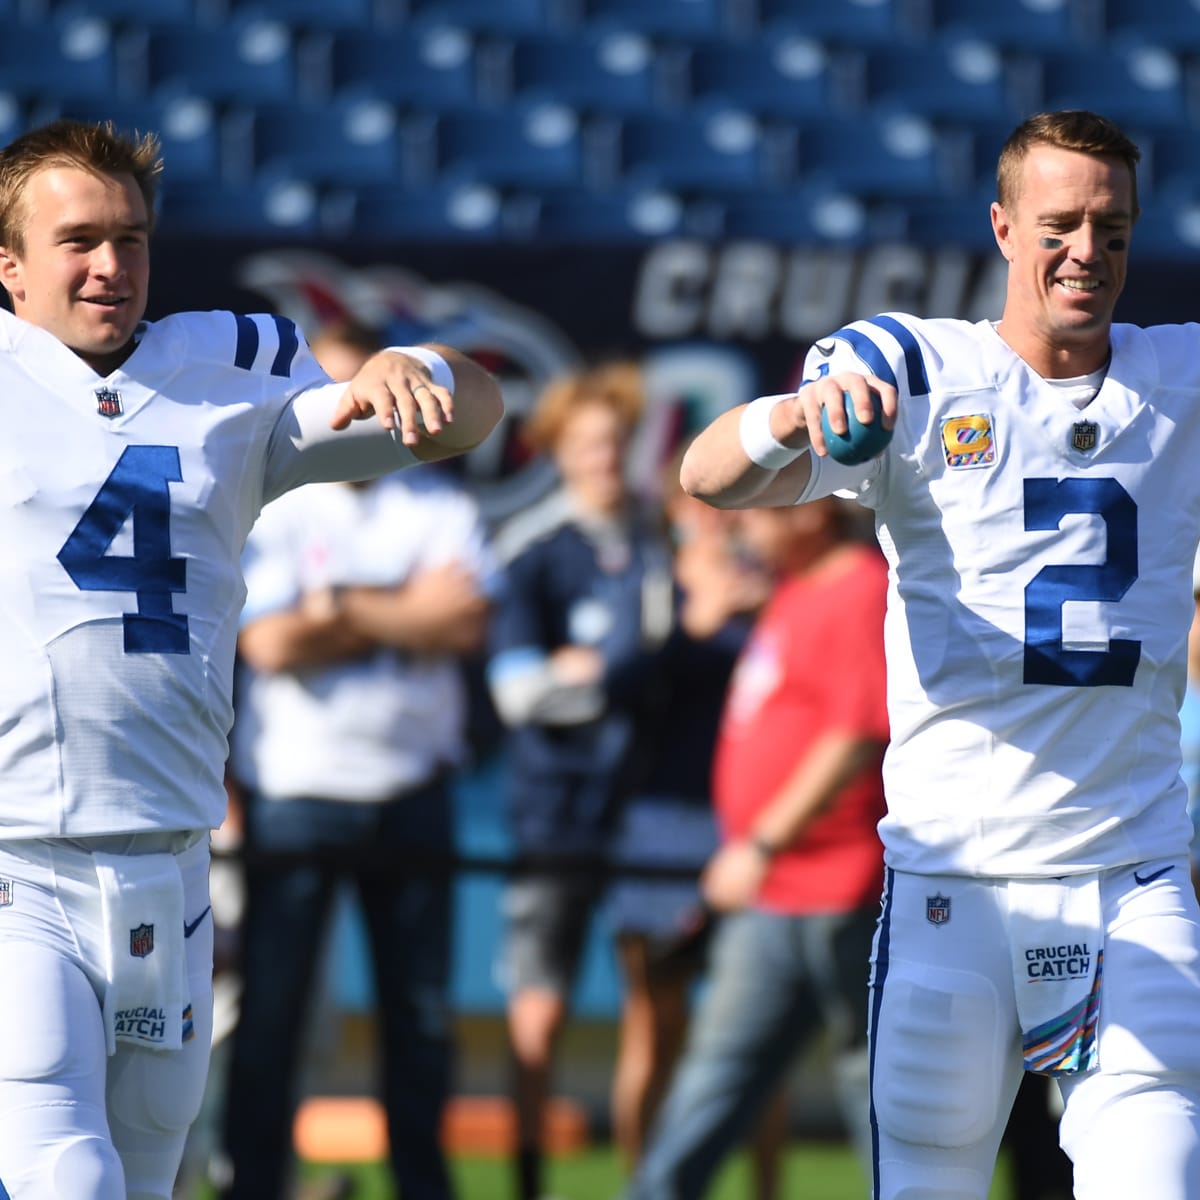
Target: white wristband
{"type": "Point", "coordinates": [439, 368]}
{"type": "Point", "coordinates": [759, 443]}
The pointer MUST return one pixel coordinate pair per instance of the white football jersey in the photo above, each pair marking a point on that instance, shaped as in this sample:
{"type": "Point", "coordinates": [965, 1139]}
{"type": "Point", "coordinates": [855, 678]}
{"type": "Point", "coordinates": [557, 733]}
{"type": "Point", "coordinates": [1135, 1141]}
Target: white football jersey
{"type": "Point", "coordinates": [124, 505]}
{"type": "Point", "coordinates": [1040, 564]}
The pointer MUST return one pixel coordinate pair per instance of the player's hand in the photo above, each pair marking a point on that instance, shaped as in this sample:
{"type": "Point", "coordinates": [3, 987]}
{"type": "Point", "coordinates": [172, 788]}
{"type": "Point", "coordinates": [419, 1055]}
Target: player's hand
{"type": "Point", "coordinates": [733, 876]}
{"type": "Point", "coordinates": [827, 393]}
{"type": "Point", "coordinates": [401, 393]}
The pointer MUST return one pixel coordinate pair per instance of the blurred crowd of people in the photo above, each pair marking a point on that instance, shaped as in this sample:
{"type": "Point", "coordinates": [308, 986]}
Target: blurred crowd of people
{"type": "Point", "coordinates": [692, 710]}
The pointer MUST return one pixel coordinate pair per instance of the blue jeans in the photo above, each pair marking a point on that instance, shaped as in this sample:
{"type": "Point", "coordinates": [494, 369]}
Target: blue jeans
{"type": "Point", "coordinates": [774, 982]}
{"type": "Point", "coordinates": [408, 915]}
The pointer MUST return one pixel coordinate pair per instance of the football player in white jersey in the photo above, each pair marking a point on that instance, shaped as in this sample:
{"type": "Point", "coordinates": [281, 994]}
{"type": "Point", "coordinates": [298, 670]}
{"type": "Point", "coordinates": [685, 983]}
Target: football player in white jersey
{"type": "Point", "coordinates": [136, 457]}
{"type": "Point", "coordinates": [1039, 506]}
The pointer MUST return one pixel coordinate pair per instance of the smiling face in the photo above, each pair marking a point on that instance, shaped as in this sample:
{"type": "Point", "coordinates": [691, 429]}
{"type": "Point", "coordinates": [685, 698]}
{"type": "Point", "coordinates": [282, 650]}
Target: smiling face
{"type": "Point", "coordinates": [1066, 236]}
{"type": "Point", "coordinates": [83, 270]}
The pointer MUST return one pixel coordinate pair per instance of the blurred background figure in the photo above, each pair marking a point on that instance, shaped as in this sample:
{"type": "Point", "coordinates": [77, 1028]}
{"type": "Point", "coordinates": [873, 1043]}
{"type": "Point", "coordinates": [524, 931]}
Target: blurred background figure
{"type": "Point", "coordinates": [362, 600]}
{"type": "Point", "coordinates": [660, 922]}
{"type": "Point", "coordinates": [586, 606]}
{"type": "Point", "coordinates": [798, 789]}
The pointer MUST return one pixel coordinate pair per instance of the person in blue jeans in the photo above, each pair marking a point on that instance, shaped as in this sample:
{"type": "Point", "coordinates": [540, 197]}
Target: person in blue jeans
{"type": "Point", "coordinates": [362, 601]}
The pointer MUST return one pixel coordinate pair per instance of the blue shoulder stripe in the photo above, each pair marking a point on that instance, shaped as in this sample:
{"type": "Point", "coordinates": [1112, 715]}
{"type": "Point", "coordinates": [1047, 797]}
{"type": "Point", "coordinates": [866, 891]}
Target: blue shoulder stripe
{"type": "Point", "coordinates": [247, 343]}
{"type": "Point", "coordinates": [289, 343]}
{"type": "Point", "coordinates": [914, 364]}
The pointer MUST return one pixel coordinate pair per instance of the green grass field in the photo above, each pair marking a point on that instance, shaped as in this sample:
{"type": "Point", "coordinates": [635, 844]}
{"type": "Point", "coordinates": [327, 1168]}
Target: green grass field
{"type": "Point", "coordinates": [813, 1171]}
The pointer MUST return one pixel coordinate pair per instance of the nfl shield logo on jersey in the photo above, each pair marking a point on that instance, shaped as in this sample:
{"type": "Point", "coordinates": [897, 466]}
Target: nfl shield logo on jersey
{"type": "Point", "coordinates": [6, 891]}
{"type": "Point", "coordinates": [108, 402]}
{"type": "Point", "coordinates": [141, 941]}
{"type": "Point", "coordinates": [1083, 435]}
{"type": "Point", "coordinates": [937, 909]}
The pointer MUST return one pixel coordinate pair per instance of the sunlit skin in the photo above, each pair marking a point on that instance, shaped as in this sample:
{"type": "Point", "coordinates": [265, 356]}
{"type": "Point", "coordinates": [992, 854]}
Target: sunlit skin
{"type": "Point", "coordinates": [590, 453]}
{"type": "Point", "coordinates": [84, 271]}
{"type": "Point", "coordinates": [1066, 238]}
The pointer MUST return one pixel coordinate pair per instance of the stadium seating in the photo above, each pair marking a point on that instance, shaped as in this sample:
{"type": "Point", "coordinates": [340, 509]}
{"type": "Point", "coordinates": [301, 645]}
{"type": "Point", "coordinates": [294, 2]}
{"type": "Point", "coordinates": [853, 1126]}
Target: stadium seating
{"type": "Point", "coordinates": [250, 61]}
{"type": "Point", "coordinates": [660, 18]}
{"type": "Point", "coordinates": [308, 14]}
{"type": "Point", "coordinates": [432, 67]}
{"type": "Point", "coordinates": [1173, 23]}
{"type": "Point", "coordinates": [591, 72]}
{"type": "Point", "coordinates": [260, 209]}
{"type": "Point", "coordinates": [618, 216]}
{"type": "Point", "coordinates": [694, 151]}
{"type": "Point", "coordinates": [138, 13]}
{"type": "Point", "coordinates": [342, 141]}
{"type": "Point", "coordinates": [1141, 87]}
{"type": "Point", "coordinates": [800, 215]}
{"type": "Point", "coordinates": [952, 78]}
{"type": "Point", "coordinates": [845, 22]}
{"type": "Point", "coordinates": [1032, 25]}
{"type": "Point", "coordinates": [486, 16]}
{"type": "Point", "coordinates": [75, 59]}
{"type": "Point", "coordinates": [790, 75]}
{"type": "Point", "coordinates": [528, 145]}
{"type": "Point", "coordinates": [439, 212]}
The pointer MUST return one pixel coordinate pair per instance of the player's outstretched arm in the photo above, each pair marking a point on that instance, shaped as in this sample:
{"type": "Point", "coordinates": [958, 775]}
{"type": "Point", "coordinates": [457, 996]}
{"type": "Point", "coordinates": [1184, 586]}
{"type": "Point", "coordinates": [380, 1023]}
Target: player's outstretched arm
{"type": "Point", "coordinates": [754, 456]}
{"type": "Point", "coordinates": [433, 415]}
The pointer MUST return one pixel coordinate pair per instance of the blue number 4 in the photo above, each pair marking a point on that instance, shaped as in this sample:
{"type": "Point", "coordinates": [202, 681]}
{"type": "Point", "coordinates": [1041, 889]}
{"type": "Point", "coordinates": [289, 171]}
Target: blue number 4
{"type": "Point", "coordinates": [1047, 501]}
{"type": "Point", "coordinates": [137, 489]}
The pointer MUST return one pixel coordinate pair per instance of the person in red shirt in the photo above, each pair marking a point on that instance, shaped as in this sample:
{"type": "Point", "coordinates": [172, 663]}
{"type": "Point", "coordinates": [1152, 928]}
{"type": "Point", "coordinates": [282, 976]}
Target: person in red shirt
{"type": "Point", "coordinates": [798, 875]}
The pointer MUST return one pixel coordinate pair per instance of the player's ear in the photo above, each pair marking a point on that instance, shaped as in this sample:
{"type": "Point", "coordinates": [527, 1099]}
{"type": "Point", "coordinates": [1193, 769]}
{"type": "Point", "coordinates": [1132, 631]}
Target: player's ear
{"type": "Point", "coordinates": [1002, 230]}
{"type": "Point", "coordinates": [10, 274]}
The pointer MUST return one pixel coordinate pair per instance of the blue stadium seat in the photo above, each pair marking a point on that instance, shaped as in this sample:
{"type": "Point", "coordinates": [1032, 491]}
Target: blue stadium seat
{"type": "Point", "coordinates": [790, 75]}
{"type": "Point", "coordinates": [959, 79]}
{"type": "Point", "coordinates": [801, 216]}
{"type": "Point", "coordinates": [1168, 230]}
{"type": "Point", "coordinates": [138, 13]}
{"type": "Point", "coordinates": [251, 62]}
{"type": "Point", "coordinates": [432, 67]}
{"type": "Point", "coordinates": [875, 156]}
{"type": "Point", "coordinates": [187, 127]}
{"type": "Point", "coordinates": [620, 216]}
{"type": "Point", "coordinates": [952, 221]}
{"type": "Point", "coordinates": [259, 208]}
{"type": "Point", "coordinates": [522, 146]}
{"type": "Point", "coordinates": [845, 22]}
{"type": "Point", "coordinates": [1139, 87]}
{"type": "Point", "coordinates": [606, 72]}
{"type": "Point", "coordinates": [48, 61]}
{"type": "Point", "coordinates": [1170, 163]}
{"type": "Point", "coordinates": [344, 141]}
{"type": "Point", "coordinates": [486, 16]}
{"type": "Point", "coordinates": [659, 18]}
{"type": "Point", "coordinates": [308, 14]}
{"type": "Point", "coordinates": [1173, 23]}
{"type": "Point", "coordinates": [450, 212]}
{"type": "Point", "coordinates": [14, 119]}
{"type": "Point", "coordinates": [694, 151]}
{"type": "Point", "coordinates": [1018, 24]}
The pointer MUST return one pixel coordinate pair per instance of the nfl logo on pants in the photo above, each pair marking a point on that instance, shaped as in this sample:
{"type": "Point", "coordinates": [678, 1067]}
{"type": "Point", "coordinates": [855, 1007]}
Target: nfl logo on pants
{"type": "Point", "coordinates": [141, 941]}
{"type": "Point", "coordinates": [937, 909]}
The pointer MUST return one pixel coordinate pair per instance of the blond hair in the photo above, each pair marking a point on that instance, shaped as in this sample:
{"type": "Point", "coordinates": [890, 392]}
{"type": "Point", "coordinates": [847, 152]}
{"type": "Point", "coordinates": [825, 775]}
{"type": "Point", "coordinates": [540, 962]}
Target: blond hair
{"type": "Point", "coordinates": [1070, 129]}
{"type": "Point", "coordinates": [617, 386]}
{"type": "Point", "coordinates": [96, 148]}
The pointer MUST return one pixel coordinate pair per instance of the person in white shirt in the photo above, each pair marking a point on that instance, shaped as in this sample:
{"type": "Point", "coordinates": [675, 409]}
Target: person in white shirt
{"type": "Point", "coordinates": [1039, 508]}
{"type": "Point", "coordinates": [136, 459]}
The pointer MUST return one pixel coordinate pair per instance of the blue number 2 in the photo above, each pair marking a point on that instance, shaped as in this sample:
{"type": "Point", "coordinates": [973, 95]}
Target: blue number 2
{"type": "Point", "coordinates": [137, 488]}
{"type": "Point", "coordinates": [1047, 501]}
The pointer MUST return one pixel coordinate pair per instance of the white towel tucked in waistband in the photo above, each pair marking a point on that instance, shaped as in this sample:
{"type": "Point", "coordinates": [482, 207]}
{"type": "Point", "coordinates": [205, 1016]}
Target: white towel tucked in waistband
{"type": "Point", "coordinates": [1058, 958]}
{"type": "Point", "coordinates": [147, 995]}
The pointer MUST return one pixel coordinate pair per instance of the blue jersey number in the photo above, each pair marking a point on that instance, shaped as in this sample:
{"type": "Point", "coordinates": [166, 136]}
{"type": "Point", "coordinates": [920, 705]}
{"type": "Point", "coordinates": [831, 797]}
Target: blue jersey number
{"type": "Point", "coordinates": [1047, 501]}
{"type": "Point", "coordinates": [137, 489]}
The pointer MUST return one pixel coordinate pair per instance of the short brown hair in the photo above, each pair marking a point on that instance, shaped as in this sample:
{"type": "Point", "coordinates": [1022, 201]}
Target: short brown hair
{"type": "Point", "coordinates": [93, 147]}
{"type": "Point", "coordinates": [1070, 129]}
{"type": "Point", "coordinates": [616, 385]}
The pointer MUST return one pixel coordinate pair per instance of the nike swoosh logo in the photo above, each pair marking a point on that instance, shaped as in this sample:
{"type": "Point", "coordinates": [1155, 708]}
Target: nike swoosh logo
{"type": "Point", "coordinates": [825, 349]}
{"type": "Point", "coordinates": [1142, 880]}
{"type": "Point", "coordinates": [189, 927]}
